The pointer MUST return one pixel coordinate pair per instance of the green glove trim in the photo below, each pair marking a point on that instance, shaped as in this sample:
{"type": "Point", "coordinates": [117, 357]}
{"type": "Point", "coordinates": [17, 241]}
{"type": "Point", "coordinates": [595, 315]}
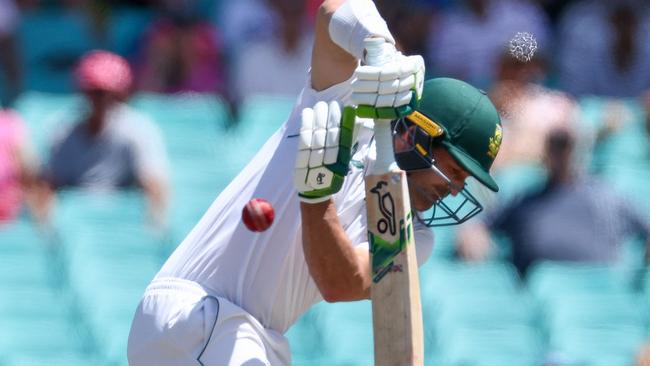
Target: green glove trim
{"type": "Point", "coordinates": [342, 165]}
{"type": "Point", "coordinates": [392, 113]}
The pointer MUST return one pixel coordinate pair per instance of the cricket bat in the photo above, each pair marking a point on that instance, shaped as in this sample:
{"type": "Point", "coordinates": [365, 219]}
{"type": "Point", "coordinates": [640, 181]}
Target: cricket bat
{"type": "Point", "coordinates": [395, 288]}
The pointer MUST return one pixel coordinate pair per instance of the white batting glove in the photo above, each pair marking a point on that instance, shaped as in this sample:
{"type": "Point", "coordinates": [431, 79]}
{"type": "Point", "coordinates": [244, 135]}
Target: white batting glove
{"type": "Point", "coordinates": [390, 91]}
{"type": "Point", "coordinates": [324, 151]}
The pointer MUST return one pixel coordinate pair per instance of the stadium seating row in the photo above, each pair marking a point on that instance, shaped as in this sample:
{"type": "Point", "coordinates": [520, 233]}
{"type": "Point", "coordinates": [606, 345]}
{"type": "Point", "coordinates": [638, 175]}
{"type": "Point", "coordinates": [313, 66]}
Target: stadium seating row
{"type": "Point", "coordinates": [91, 277]}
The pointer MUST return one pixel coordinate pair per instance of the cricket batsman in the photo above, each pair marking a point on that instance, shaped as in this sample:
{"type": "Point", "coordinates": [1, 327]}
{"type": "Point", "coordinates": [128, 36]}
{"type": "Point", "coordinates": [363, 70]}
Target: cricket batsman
{"type": "Point", "coordinates": [227, 295]}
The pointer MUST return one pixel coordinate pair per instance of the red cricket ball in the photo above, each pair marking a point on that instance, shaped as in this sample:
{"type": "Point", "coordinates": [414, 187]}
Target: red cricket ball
{"type": "Point", "coordinates": [258, 214]}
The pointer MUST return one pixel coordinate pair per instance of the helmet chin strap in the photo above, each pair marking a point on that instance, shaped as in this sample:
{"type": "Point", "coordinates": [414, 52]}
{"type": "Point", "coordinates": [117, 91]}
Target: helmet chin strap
{"type": "Point", "coordinates": [447, 211]}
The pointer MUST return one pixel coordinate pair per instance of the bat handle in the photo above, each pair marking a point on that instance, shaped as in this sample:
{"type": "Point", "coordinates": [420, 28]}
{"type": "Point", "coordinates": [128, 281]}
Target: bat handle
{"type": "Point", "coordinates": [380, 52]}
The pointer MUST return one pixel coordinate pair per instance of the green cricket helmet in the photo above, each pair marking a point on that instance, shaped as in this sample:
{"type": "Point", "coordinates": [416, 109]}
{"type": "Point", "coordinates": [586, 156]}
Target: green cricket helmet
{"type": "Point", "coordinates": [463, 120]}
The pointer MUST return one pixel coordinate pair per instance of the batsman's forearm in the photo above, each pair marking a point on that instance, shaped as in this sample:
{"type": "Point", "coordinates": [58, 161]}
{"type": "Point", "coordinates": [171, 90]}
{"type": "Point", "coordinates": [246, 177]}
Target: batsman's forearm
{"type": "Point", "coordinates": [340, 272]}
{"type": "Point", "coordinates": [330, 64]}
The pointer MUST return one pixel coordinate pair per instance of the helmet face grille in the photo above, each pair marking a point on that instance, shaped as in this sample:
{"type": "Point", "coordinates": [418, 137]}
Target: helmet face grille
{"type": "Point", "coordinates": [452, 210]}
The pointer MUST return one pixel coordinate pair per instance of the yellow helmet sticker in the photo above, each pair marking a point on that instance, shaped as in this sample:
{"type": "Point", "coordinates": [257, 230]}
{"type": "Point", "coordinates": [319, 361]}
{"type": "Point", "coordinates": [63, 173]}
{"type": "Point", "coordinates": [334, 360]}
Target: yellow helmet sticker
{"type": "Point", "coordinates": [421, 150]}
{"type": "Point", "coordinates": [428, 125]}
{"type": "Point", "coordinates": [495, 143]}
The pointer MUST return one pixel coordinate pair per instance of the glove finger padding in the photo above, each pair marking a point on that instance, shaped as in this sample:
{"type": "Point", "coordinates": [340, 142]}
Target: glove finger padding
{"type": "Point", "coordinates": [390, 91]}
{"type": "Point", "coordinates": [324, 151]}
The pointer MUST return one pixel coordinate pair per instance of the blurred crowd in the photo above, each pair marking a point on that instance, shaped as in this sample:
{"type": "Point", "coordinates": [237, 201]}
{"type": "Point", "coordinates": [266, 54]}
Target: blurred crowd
{"type": "Point", "coordinates": [242, 48]}
{"type": "Point", "coordinates": [586, 47]}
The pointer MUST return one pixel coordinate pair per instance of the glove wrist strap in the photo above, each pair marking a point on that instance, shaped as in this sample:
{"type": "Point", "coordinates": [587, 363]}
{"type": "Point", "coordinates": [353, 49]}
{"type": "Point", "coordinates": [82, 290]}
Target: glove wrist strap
{"type": "Point", "coordinates": [314, 200]}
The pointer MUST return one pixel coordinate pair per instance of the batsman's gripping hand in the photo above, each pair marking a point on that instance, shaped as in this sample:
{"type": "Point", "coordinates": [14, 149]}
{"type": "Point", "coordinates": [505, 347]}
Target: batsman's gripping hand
{"type": "Point", "coordinates": [324, 151]}
{"type": "Point", "coordinates": [390, 91]}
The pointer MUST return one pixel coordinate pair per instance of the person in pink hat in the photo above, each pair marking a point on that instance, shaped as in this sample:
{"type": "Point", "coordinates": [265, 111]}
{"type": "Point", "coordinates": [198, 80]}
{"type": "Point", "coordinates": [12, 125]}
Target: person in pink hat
{"type": "Point", "coordinates": [110, 146]}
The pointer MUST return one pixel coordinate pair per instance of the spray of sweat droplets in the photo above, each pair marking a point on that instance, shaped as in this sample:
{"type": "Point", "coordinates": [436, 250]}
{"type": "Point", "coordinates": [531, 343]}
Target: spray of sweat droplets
{"type": "Point", "coordinates": [523, 46]}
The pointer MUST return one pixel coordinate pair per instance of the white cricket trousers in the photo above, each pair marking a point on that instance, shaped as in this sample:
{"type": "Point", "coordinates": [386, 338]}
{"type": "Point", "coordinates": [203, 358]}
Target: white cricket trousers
{"type": "Point", "coordinates": [178, 323]}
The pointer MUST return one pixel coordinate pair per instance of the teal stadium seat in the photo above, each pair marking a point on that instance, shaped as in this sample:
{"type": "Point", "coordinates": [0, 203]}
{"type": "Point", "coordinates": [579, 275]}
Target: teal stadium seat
{"type": "Point", "coordinates": [38, 314]}
{"type": "Point", "coordinates": [127, 258]}
{"type": "Point", "coordinates": [460, 312]}
{"type": "Point", "coordinates": [441, 278]}
{"type": "Point", "coordinates": [35, 301]}
{"type": "Point", "coordinates": [111, 255]}
{"type": "Point", "coordinates": [72, 359]}
{"type": "Point", "coordinates": [645, 285]}
{"type": "Point", "coordinates": [51, 42]}
{"type": "Point", "coordinates": [190, 122]}
{"type": "Point", "coordinates": [602, 347]}
{"type": "Point", "coordinates": [444, 247]}
{"type": "Point", "coordinates": [506, 345]}
{"type": "Point", "coordinates": [260, 116]}
{"type": "Point", "coordinates": [483, 311]}
{"type": "Point", "coordinates": [39, 320]}
{"type": "Point", "coordinates": [306, 338]}
{"type": "Point", "coordinates": [27, 256]}
{"type": "Point", "coordinates": [50, 336]}
{"type": "Point", "coordinates": [77, 206]}
{"type": "Point", "coordinates": [551, 281]}
{"type": "Point", "coordinates": [590, 314]}
{"type": "Point", "coordinates": [595, 311]}
{"type": "Point", "coordinates": [191, 125]}
{"type": "Point", "coordinates": [108, 293]}
{"type": "Point", "coordinates": [22, 237]}
{"type": "Point", "coordinates": [347, 333]}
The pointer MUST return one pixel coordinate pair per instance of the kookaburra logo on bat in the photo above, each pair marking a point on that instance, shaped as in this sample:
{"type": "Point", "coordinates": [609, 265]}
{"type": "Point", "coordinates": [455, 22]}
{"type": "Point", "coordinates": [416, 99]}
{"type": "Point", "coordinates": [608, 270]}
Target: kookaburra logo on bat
{"type": "Point", "coordinates": [387, 207]}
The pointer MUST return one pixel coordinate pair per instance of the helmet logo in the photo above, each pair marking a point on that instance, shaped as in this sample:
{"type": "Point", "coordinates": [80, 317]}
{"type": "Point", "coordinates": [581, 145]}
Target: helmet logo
{"type": "Point", "coordinates": [495, 143]}
{"type": "Point", "coordinates": [429, 126]}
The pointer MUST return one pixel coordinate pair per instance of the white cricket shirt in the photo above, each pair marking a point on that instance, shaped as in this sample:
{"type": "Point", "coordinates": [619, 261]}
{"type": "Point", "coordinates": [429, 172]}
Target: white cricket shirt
{"type": "Point", "coordinates": [266, 273]}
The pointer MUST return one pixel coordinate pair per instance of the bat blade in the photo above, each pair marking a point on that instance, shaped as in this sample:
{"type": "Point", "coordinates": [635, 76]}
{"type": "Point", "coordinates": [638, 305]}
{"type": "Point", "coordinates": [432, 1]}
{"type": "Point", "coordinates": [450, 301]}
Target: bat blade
{"type": "Point", "coordinates": [395, 290]}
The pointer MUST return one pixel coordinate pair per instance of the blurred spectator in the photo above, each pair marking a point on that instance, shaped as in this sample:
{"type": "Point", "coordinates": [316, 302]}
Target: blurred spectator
{"type": "Point", "coordinates": [408, 21]}
{"type": "Point", "coordinates": [466, 42]}
{"type": "Point", "coordinates": [571, 218]}
{"type": "Point", "coordinates": [112, 146]}
{"type": "Point", "coordinates": [180, 52]}
{"type": "Point", "coordinates": [282, 55]}
{"type": "Point", "coordinates": [9, 59]}
{"type": "Point", "coordinates": [244, 21]}
{"type": "Point", "coordinates": [17, 165]}
{"type": "Point", "coordinates": [528, 110]}
{"type": "Point", "coordinates": [604, 48]}
{"type": "Point", "coordinates": [554, 8]}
